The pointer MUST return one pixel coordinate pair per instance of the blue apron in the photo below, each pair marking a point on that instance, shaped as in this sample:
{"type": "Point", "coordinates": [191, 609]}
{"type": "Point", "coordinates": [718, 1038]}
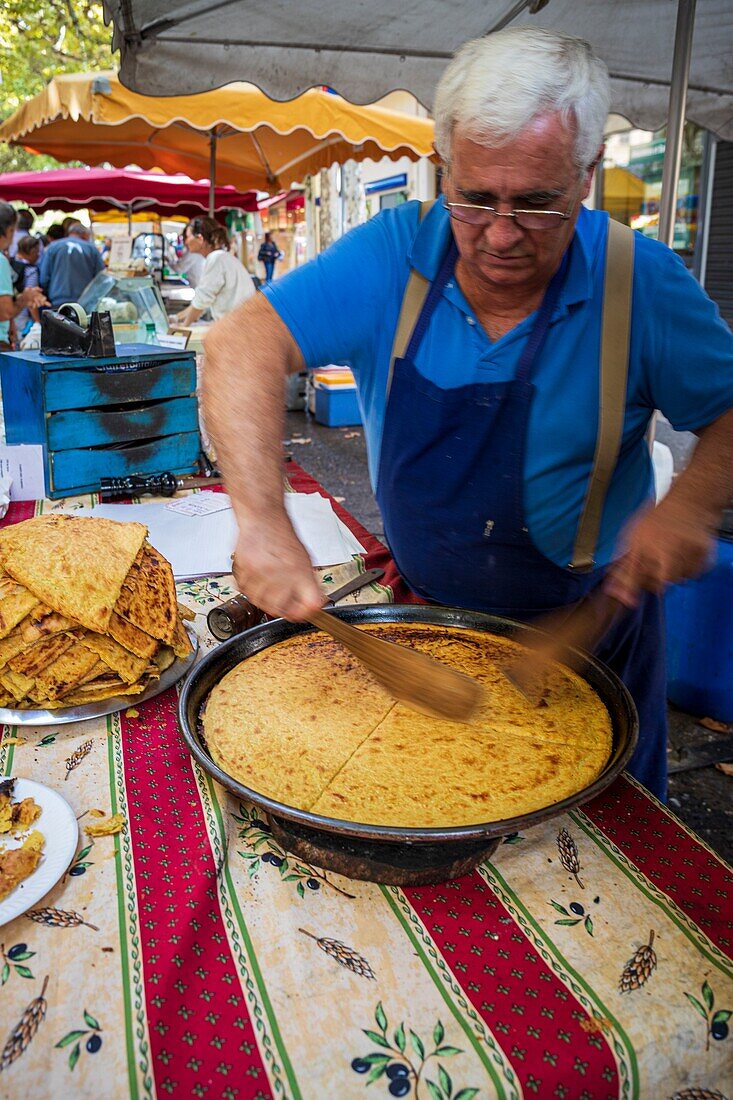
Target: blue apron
{"type": "Point", "coordinates": [451, 491]}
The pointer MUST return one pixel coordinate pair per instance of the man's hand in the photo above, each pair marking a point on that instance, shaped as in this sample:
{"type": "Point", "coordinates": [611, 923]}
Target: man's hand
{"type": "Point", "coordinates": [273, 570]}
{"type": "Point", "coordinates": [660, 546]}
{"type": "Point", "coordinates": [31, 298]}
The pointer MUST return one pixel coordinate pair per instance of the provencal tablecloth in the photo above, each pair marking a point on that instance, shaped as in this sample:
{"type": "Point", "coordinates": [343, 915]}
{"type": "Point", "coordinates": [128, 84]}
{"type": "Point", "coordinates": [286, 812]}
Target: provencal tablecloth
{"type": "Point", "coordinates": [190, 955]}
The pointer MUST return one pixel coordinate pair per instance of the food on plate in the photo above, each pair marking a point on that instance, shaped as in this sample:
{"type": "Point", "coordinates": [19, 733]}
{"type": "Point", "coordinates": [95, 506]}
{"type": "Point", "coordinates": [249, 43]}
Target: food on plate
{"type": "Point", "coordinates": [16, 817]}
{"type": "Point", "coordinates": [303, 723]}
{"type": "Point", "coordinates": [88, 610]}
{"type": "Point", "coordinates": [16, 864]}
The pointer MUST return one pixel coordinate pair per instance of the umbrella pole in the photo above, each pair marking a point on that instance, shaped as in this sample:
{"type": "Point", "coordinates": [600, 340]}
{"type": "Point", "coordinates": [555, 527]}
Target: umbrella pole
{"type": "Point", "coordinates": [676, 119]}
{"type": "Point", "coordinates": [212, 171]}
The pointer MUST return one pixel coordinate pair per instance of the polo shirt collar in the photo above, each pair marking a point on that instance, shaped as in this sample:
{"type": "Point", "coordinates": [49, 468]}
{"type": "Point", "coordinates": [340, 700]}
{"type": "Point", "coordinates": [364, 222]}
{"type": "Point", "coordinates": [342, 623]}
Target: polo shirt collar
{"type": "Point", "coordinates": [433, 235]}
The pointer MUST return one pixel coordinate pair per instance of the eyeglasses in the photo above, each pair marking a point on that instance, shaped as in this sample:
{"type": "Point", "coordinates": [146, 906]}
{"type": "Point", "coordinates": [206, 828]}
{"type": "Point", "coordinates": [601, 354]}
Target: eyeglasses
{"type": "Point", "coordinates": [482, 216]}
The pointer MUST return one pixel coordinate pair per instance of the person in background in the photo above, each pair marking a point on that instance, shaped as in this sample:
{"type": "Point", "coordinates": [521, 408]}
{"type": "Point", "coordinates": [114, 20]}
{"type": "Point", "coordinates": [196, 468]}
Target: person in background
{"type": "Point", "coordinates": [66, 224]}
{"type": "Point", "coordinates": [69, 265]}
{"type": "Point", "coordinates": [191, 266]}
{"type": "Point", "coordinates": [54, 232]}
{"type": "Point", "coordinates": [23, 228]}
{"type": "Point", "coordinates": [269, 254]}
{"type": "Point", "coordinates": [225, 282]}
{"type": "Point", "coordinates": [25, 266]}
{"type": "Point", "coordinates": [12, 304]}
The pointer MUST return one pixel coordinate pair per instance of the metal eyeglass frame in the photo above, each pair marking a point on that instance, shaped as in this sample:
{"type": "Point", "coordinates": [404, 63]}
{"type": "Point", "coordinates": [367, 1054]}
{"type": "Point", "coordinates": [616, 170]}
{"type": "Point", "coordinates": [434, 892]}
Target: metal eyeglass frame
{"type": "Point", "coordinates": [518, 214]}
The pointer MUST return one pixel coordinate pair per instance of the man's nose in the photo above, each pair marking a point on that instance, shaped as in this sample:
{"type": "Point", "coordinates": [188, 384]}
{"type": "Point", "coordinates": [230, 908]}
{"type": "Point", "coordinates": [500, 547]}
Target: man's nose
{"type": "Point", "coordinates": [503, 234]}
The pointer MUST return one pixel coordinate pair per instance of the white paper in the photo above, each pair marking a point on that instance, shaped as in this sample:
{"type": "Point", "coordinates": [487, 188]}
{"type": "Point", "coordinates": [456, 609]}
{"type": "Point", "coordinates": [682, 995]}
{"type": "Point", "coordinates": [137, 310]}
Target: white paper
{"type": "Point", "coordinates": [200, 504]}
{"type": "Point", "coordinates": [173, 340]}
{"type": "Point", "coordinates": [120, 250]}
{"type": "Point", "coordinates": [5, 485]}
{"type": "Point", "coordinates": [202, 545]}
{"type": "Point", "coordinates": [325, 537]}
{"type": "Point", "coordinates": [24, 466]}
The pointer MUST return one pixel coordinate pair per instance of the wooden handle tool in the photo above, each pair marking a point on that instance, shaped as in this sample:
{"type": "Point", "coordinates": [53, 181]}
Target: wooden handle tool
{"type": "Point", "coordinates": [413, 678]}
{"type": "Point", "coordinates": [581, 628]}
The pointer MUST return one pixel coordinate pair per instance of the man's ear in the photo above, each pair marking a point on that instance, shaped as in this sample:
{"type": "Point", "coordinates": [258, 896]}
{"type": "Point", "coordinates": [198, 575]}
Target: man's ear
{"type": "Point", "coordinates": [588, 176]}
{"type": "Point", "coordinates": [443, 168]}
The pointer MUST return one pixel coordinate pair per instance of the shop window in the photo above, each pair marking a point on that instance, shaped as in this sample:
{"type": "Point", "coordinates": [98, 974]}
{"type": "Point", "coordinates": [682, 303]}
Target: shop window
{"type": "Point", "coordinates": [632, 183]}
{"type": "Point", "coordinates": [392, 198]}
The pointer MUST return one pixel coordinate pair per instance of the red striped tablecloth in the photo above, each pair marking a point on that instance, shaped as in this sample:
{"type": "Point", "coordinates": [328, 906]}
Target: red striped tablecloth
{"type": "Point", "coordinates": [189, 956]}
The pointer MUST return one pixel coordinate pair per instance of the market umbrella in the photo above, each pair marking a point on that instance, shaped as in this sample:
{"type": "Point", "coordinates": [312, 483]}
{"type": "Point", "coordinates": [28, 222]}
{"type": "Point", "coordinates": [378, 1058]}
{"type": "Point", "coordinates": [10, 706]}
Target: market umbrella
{"type": "Point", "coordinates": [367, 50]}
{"type": "Point", "coordinates": [659, 69]}
{"type": "Point", "coordinates": [120, 189]}
{"type": "Point", "coordinates": [235, 134]}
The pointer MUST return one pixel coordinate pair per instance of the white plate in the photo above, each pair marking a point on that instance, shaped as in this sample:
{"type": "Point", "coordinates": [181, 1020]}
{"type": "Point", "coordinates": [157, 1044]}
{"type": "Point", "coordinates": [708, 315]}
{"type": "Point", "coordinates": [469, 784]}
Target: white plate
{"type": "Point", "coordinates": [96, 709]}
{"type": "Point", "coordinates": [61, 831]}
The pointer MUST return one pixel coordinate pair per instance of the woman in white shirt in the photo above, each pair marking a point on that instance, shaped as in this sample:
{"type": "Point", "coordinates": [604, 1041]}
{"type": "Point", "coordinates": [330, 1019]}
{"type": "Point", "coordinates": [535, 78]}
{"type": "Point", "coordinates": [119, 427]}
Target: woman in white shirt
{"type": "Point", "coordinates": [225, 282]}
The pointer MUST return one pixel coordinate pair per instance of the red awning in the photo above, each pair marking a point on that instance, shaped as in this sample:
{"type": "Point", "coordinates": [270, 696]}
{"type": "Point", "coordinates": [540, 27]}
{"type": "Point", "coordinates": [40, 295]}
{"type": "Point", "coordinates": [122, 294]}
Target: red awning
{"type": "Point", "coordinates": [119, 189]}
{"type": "Point", "coordinates": [294, 200]}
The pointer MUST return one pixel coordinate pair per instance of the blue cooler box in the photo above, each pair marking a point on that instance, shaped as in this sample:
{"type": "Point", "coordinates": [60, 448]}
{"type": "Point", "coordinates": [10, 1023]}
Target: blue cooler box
{"type": "Point", "coordinates": [700, 637]}
{"type": "Point", "coordinates": [337, 406]}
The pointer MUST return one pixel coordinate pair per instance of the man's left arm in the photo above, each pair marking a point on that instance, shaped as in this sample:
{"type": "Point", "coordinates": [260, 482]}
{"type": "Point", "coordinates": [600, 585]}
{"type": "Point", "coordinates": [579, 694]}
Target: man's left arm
{"type": "Point", "coordinates": [687, 356]}
{"type": "Point", "coordinates": [674, 541]}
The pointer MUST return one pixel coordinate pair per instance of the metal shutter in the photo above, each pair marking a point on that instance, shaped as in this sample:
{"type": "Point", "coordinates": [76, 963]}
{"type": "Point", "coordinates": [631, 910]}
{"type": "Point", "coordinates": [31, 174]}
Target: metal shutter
{"type": "Point", "coordinates": [719, 268]}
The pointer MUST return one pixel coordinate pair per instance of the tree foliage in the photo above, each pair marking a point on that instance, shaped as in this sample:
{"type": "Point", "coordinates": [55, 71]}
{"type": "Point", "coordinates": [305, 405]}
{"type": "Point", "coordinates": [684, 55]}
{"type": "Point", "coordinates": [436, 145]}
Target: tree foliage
{"type": "Point", "coordinates": [38, 40]}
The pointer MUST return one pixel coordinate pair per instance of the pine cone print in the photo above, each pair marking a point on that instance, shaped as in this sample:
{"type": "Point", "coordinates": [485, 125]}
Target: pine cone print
{"type": "Point", "coordinates": [698, 1094]}
{"type": "Point", "coordinates": [569, 855]}
{"type": "Point", "coordinates": [343, 955]}
{"type": "Point", "coordinates": [638, 969]}
{"type": "Point", "coordinates": [76, 757]}
{"type": "Point", "coordinates": [59, 918]}
{"type": "Point", "coordinates": [25, 1029]}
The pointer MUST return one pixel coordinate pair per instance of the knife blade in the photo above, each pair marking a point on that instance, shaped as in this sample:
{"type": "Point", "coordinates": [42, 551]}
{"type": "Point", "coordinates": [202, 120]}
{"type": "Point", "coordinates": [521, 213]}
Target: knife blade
{"type": "Point", "coordinates": [582, 628]}
{"type": "Point", "coordinates": [355, 584]}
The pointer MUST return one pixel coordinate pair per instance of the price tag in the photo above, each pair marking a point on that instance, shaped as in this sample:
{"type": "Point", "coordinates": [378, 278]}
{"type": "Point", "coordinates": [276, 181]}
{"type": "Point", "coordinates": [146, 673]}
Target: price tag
{"type": "Point", "coordinates": [200, 504]}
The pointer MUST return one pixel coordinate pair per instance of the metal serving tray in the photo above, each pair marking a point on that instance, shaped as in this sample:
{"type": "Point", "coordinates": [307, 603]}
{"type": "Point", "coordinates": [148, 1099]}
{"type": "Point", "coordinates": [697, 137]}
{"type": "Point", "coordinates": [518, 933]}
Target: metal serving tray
{"type": "Point", "coordinates": [101, 707]}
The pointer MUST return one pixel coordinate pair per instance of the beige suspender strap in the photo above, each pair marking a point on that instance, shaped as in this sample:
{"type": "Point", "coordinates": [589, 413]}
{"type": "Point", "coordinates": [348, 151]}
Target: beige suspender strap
{"type": "Point", "coordinates": [614, 366]}
{"type": "Point", "coordinates": [413, 300]}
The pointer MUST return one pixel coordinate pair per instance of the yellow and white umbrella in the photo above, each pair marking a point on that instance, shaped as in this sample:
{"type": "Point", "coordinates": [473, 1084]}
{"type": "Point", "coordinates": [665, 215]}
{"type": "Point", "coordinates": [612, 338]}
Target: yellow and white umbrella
{"type": "Point", "coordinates": [234, 134]}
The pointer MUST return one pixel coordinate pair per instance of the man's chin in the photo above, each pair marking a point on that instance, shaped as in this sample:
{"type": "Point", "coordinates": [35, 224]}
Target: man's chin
{"type": "Point", "coordinates": [507, 271]}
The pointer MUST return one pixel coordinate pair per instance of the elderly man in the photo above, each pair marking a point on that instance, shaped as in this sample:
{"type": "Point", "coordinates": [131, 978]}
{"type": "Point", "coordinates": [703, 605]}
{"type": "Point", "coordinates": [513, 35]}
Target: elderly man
{"type": "Point", "coordinates": [69, 265]}
{"type": "Point", "coordinates": [475, 333]}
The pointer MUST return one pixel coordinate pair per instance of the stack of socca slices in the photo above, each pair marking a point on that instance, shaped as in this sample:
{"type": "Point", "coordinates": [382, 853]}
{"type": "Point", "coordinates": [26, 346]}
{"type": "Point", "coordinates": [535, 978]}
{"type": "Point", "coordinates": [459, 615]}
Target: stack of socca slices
{"type": "Point", "coordinates": [88, 610]}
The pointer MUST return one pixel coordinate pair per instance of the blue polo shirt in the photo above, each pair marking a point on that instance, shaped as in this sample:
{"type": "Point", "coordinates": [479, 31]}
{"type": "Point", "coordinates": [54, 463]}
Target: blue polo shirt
{"type": "Point", "coordinates": [344, 306]}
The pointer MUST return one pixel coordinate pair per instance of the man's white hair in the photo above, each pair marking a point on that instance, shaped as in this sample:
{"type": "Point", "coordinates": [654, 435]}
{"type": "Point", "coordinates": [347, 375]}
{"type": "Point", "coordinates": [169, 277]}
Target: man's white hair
{"type": "Point", "coordinates": [497, 85]}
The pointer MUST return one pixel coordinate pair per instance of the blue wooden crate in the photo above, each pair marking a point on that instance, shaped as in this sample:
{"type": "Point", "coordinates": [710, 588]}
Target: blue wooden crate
{"type": "Point", "coordinates": [95, 418]}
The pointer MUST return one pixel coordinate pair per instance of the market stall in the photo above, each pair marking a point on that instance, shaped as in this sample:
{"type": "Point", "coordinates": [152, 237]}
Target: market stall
{"type": "Point", "coordinates": [189, 953]}
{"type": "Point", "coordinates": [124, 189]}
{"type": "Point", "coordinates": [235, 135]}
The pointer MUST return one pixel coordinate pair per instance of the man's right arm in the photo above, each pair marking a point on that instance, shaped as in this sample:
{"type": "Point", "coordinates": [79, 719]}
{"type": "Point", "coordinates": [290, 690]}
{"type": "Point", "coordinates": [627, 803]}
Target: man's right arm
{"type": "Point", "coordinates": [248, 355]}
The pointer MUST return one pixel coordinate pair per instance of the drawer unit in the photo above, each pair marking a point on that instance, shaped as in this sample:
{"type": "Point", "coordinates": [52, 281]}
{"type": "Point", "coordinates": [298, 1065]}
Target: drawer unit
{"type": "Point", "coordinates": [95, 418]}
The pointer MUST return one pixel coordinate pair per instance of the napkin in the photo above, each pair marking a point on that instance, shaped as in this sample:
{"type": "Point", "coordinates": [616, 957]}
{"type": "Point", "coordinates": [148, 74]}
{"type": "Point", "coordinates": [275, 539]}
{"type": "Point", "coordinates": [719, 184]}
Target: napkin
{"type": "Point", "coordinates": [203, 545]}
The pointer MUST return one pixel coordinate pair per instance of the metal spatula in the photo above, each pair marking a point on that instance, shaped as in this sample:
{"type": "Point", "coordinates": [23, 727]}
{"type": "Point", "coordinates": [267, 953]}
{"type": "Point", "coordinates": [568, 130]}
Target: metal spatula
{"type": "Point", "coordinates": [583, 628]}
{"type": "Point", "coordinates": [413, 678]}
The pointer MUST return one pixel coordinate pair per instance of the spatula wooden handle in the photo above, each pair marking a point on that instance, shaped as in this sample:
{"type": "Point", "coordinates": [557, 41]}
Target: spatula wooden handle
{"type": "Point", "coordinates": [414, 678]}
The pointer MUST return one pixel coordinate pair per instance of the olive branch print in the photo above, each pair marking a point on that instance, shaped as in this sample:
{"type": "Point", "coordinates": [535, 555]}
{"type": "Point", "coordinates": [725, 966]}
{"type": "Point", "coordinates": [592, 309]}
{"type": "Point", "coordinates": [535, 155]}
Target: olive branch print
{"type": "Point", "coordinates": [93, 1043]}
{"type": "Point", "coordinates": [716, 1023]}
{"type": "Point", "coordinates": [404, 1063]}
{"type": "Point", "coordinates": [13, 960]}
{"type": "Point", "coordinates": [264, 850]}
